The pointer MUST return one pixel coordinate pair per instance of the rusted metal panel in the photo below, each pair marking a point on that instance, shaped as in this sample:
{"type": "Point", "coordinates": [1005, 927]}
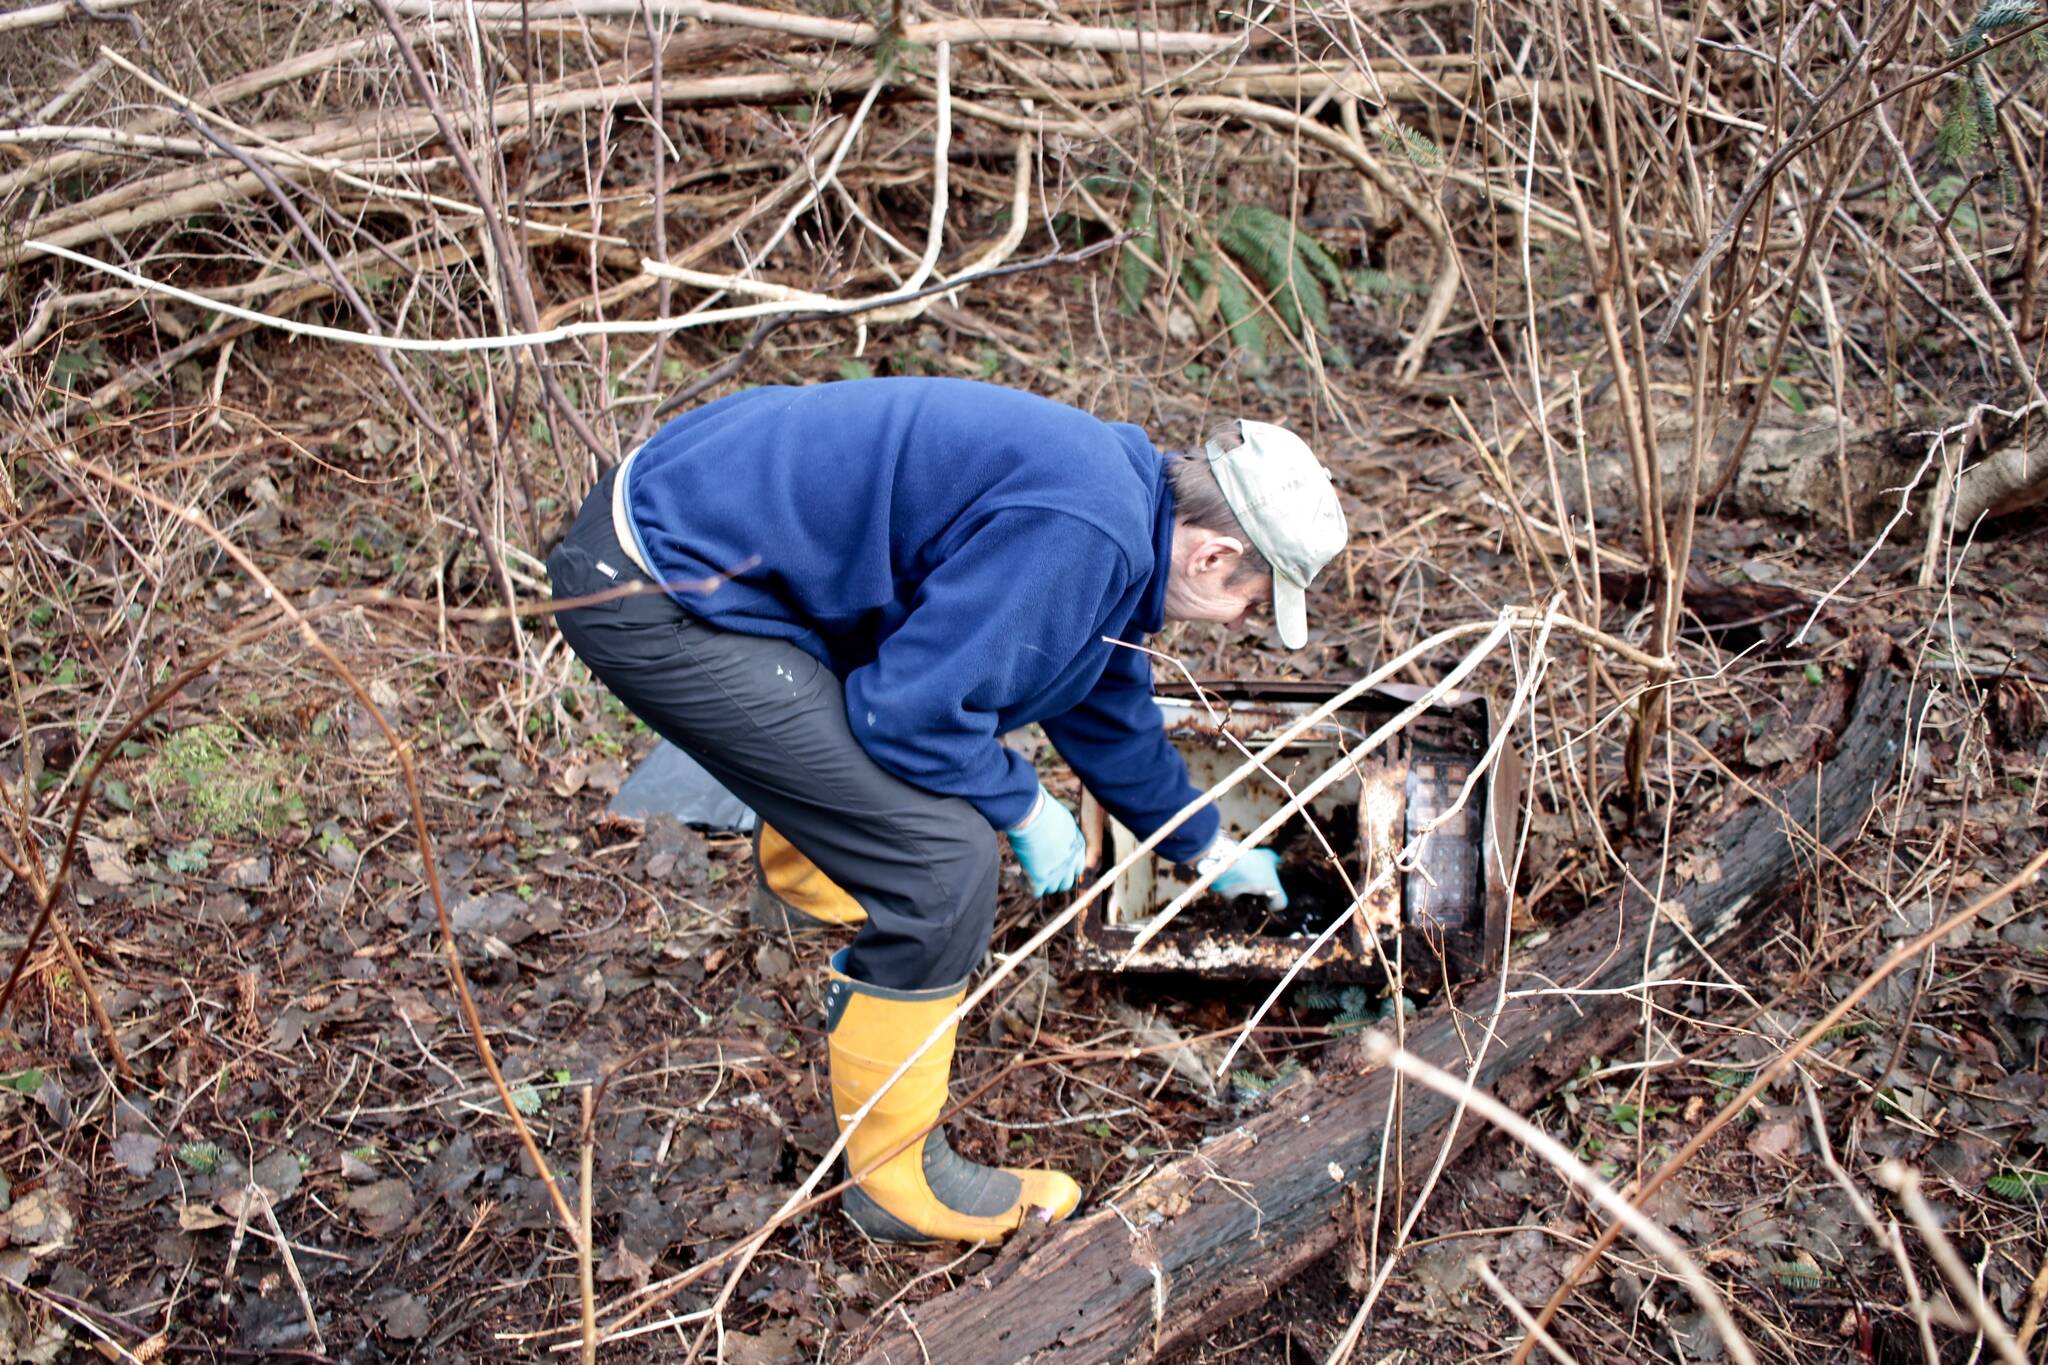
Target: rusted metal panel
{"type": "Point", "coordinates": [1382, 826]}
{"type": "Point", "coordinates": [1452, 895]}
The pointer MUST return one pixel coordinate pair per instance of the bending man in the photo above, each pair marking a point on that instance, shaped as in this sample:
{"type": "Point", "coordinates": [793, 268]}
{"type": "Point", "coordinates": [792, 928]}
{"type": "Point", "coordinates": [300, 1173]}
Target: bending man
{"type": "Point", "coordinates": [904, 570]}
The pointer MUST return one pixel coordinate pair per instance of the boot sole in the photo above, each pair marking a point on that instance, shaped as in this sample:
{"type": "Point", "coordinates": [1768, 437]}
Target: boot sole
{"type": "Point", "coordinates": [878, 1223]}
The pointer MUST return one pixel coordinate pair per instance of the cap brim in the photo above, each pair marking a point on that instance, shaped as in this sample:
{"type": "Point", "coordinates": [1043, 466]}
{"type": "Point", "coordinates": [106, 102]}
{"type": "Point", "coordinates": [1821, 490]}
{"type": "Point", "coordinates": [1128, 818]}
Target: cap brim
{"type": "Point", "coordinates": [1290, 612]}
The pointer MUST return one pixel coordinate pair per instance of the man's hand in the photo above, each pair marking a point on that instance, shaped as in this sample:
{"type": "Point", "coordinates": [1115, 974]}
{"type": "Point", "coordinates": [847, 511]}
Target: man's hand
{"type": "Point", "coordinates": [1049, 846]}
{"type": "Point", "coordinates": [1246, 872]}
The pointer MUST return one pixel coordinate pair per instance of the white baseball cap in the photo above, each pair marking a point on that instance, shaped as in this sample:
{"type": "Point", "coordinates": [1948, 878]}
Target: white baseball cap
{"type": "Point", "coordinates": [1284, 499]}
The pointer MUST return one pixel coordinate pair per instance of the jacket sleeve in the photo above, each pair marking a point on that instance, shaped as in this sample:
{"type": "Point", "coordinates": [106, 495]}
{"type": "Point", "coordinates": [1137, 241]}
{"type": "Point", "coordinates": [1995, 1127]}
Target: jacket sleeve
{"type": "Point", "coordinates": [1115, 741]}
{"type": "Point", "coordinates": [1005, 612]}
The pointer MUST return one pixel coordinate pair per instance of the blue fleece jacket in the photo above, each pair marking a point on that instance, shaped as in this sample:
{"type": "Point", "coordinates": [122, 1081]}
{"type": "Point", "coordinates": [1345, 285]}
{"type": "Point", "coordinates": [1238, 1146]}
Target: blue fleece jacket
{"type": "Point", "coordinates": [959, 554]}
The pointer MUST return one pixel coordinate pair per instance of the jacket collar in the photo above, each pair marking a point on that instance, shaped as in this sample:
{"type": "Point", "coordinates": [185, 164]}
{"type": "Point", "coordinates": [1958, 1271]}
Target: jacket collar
{"type": "Point", "coordinates": [1151, 613]}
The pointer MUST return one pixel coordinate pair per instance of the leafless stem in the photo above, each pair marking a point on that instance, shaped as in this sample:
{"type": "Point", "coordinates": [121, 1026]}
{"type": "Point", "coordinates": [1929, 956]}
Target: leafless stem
{"type": "Point", "coordinates": [1626, 1215]}
{"type": "Point", "coordinates": [1904, 1182]}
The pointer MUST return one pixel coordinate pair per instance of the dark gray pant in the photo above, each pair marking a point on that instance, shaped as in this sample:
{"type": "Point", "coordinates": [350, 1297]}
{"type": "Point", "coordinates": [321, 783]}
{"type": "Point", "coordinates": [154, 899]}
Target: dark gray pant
{"type": "Point", "coordinates": [769, 721]}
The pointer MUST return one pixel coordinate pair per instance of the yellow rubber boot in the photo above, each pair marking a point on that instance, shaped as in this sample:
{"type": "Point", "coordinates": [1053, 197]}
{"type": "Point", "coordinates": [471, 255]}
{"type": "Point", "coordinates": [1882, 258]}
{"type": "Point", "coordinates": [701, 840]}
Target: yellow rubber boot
{"type": "Point", "coordinates": [926, 1192]}
{"type": "Point", "coordinates": [791, 892]}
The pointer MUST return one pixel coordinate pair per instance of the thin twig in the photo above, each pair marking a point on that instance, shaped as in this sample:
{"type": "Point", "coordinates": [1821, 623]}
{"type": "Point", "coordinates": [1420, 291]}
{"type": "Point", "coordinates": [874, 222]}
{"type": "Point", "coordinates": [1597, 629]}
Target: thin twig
{"type": "Point", "coordinates": [1904, 1182]}
{"type": "Point", "coordinates": [1889, 1236]}
{"type": "Point", "coordinates": [1653, 1237]}
{"type": "Point", "coordinates": [1783, 1062]}
{"type": "Point", "coordinates": [586, 1285]}
{"type": "Point", "coordinates": [1519, 1313]}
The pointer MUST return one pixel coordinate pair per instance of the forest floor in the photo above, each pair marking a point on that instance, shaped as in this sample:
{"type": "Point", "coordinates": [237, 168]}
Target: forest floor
{"type": "Point", "coordinates": [253, 898]}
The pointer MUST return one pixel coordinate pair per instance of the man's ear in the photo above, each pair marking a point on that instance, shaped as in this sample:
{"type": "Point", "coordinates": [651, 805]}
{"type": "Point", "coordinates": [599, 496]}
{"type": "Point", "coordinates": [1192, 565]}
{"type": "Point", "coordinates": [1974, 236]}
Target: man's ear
{"type": "Point", "coordinates": [1218, 552]}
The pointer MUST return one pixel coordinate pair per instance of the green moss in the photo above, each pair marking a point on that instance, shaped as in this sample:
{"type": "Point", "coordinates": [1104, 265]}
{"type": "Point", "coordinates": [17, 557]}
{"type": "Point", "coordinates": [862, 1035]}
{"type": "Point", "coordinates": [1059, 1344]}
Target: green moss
{"type": "Point", "coordinates": [226, 783]}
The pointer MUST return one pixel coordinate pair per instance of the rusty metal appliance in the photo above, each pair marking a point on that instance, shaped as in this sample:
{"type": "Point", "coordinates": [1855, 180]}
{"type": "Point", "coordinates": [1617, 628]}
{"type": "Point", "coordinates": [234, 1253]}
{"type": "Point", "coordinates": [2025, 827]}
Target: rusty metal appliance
{"type": "Point", "coordinates": [1444, 915]}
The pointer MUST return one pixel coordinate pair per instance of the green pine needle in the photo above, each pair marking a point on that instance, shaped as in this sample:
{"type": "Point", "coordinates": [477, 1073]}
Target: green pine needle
{"type": "Point", "coordinates": [1960, 134]}
{"type": "Point", "coordinates": [1999, 15]}
{"type": "Point", "coordinates": [1398, 139]}
{"type": "Point", "coordinates": [1971, 122]}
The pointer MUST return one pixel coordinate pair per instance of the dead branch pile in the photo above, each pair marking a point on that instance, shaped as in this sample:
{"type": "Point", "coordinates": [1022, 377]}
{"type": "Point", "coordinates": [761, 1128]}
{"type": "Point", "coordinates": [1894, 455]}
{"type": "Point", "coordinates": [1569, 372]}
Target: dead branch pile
{"type": "Point", "coordinates": [606, 127]}
{"type": "Point", "coordinates": [1782, 201]}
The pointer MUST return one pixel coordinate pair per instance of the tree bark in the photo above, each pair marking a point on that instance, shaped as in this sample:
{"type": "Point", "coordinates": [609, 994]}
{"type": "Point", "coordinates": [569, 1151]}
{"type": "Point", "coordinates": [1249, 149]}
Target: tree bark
{"type": "Point", "coordinates": [1207, 1237]}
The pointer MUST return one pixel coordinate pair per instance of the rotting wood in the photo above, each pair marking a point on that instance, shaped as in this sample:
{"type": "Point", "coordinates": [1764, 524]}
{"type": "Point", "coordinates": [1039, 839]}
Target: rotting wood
{"type": "Point", "coordinates": [1208, 1236]}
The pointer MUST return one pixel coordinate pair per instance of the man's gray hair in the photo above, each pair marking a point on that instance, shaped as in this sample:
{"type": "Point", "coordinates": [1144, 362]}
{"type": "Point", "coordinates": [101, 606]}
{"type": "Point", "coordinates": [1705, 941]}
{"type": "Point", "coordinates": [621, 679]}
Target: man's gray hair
{"type": "Point", "coordinates": [1198, 499]}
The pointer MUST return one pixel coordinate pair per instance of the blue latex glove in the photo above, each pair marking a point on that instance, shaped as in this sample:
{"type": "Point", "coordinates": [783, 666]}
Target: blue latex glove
{"type": "Point", "coordinates": [1049, 846]}
{"type": "Point", "coordinates": [1255, 873]}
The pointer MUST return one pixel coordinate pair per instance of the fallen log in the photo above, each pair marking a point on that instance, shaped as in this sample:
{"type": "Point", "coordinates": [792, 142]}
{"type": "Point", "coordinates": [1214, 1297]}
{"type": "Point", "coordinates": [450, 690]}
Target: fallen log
{"type": "Point", "coordinates": [1817, 468]}
{"type": "Point", "coordinates": [1208, 1236]}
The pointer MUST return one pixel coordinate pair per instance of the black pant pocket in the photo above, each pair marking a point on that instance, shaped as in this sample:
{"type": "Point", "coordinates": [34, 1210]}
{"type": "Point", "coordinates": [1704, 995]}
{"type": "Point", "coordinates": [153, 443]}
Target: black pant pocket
{"type": "Point", "coordinates": [574, 572]}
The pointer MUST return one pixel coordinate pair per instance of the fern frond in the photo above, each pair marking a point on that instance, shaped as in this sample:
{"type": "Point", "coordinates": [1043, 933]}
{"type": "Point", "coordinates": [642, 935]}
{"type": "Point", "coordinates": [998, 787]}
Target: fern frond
{"type": "Point", "coordinates": [1138, 260]}
{"type": "Point", "coordinates": [1198, 282]}
{"type": "Point", "coordinates": [1241, 313]}
{"type": "Point", "coordinates": [1249, 1085]}
{"type": "Point", "coordinates": [1315, 302]}
{"type": "Point", "coordinates": [1144, 212]}
{"type": "Point", "coordinates": [2022, 1185]}
{"type": "Point", "coordinates": [1271, 248]}
{"type": "Point", "coordinates": [1381, 283]}
{"type": "Point", "coordinates": [1320, 262]}
{"type": "Point", "coordinates": [1132, 274]}
{"type": "Point", "coordinates": [1797, 1276]}
{"type": "Point", "coordinates": [1259, 238]}
{"type": "Point", "coordinates": [1855, 1028]}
